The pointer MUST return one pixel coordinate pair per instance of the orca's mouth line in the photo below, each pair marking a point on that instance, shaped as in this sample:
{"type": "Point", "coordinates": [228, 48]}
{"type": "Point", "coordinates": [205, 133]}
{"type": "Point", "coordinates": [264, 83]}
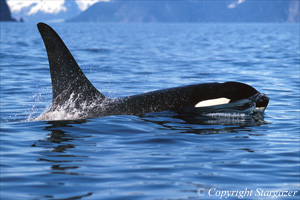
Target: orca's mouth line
{"type": "Point", "coordinates": [75, 97]}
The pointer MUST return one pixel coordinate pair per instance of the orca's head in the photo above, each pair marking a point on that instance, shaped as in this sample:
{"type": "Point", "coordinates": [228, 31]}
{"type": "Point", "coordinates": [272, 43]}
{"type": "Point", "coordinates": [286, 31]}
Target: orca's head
{"type": "Point", "coordinates": [236, 94]}
{"type": "Point", "coordinates": [237, 91]}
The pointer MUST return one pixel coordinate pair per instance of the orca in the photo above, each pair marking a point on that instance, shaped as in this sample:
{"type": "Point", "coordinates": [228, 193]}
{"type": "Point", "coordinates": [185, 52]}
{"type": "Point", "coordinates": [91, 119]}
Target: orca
{"type": "Point", "coordinates": [75, 97]}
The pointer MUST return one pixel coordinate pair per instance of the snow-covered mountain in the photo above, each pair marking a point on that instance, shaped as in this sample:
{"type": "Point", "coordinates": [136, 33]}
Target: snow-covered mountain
{"type": "Point", "coordinates": [156, 10]}
{"type": "Point", "coordinates": [48, 10]}
{"type": "Point", "coordinates": [208, 11]}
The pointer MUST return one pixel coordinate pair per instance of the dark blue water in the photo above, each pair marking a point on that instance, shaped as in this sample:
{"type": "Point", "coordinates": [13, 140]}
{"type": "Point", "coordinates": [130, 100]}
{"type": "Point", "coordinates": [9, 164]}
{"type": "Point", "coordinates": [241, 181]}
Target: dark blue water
{"type": "Point", "coordinates": [158, 156]}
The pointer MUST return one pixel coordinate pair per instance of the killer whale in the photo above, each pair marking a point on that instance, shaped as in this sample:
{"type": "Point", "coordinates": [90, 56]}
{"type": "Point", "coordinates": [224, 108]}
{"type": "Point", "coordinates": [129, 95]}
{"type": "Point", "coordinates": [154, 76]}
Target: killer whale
{"type": "Point", "coordinates": [75, 97]}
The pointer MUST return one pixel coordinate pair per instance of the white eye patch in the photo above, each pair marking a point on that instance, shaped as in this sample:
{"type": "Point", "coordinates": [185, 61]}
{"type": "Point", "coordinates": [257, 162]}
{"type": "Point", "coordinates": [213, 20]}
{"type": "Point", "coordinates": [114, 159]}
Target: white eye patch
{"type": "Point", "coordinates": [212, 102]}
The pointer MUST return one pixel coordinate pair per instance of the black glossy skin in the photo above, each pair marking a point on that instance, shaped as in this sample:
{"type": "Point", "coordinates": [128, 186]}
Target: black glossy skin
{"type": "Point", "coordinates": [178, 98]}
{"type": "Point", "coordinates": [68, 79]}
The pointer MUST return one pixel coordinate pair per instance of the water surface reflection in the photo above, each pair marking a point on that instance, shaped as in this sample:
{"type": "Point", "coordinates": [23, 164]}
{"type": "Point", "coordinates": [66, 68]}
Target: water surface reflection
{"type": "Point", "coordinates": [78, 153]}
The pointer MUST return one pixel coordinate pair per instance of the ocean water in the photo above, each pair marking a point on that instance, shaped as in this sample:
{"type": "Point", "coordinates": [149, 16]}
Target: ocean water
{"type": "Point", "coordinates": [156, 156]}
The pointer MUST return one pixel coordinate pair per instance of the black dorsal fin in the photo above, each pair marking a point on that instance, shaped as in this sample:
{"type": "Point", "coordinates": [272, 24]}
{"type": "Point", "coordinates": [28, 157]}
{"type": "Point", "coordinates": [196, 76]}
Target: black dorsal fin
{"type": "Point", "coordinates": [67, 77]}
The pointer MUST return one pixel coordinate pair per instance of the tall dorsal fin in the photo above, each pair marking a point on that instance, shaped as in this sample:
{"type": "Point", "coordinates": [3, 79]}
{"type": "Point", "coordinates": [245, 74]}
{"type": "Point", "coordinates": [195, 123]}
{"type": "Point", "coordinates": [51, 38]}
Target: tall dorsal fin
{"type": "Point", "coordinates": [67, 77]}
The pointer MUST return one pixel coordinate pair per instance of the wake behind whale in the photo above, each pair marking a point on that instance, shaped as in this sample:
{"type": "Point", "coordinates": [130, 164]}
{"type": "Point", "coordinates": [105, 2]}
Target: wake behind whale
{"type": "Point", "coordinates": [74, 96]}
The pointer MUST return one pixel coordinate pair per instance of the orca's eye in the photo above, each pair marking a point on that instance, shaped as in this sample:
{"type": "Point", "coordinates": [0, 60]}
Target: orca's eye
{"type": "Point", "coordinates": [212, 102]}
